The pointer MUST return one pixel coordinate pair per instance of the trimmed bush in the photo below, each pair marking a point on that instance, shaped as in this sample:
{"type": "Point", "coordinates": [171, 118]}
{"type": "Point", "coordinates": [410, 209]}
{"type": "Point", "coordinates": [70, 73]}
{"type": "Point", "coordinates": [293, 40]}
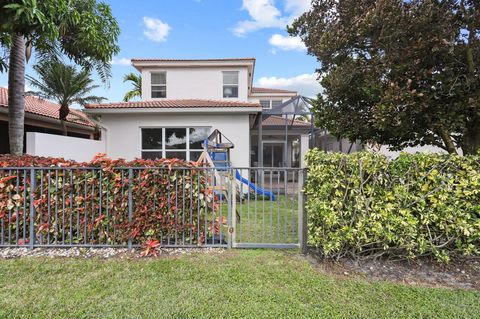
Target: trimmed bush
{"type": "Point", "coordinates": [363, 205]}
{"type": "Point", "coordinates": [90, 206]}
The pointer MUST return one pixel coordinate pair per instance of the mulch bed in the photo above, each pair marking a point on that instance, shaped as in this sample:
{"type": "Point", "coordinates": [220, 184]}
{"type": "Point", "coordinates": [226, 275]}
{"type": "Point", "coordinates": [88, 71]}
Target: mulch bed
{"type": "Point", "coordinates": [462, 273]}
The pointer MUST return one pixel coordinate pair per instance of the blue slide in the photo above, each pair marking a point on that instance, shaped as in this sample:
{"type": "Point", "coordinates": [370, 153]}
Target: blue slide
{"type": "Point", "coordinates": [256, 189]}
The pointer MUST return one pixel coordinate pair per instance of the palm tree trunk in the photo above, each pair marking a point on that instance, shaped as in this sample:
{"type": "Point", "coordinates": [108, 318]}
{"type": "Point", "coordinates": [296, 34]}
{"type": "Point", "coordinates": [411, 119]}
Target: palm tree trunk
{"type": "Point", "coordinates": [63, 113]}
{"type": "Point", "coordinates": [64, 127]}
{"type": "Point", "coordinates": [16, 95]}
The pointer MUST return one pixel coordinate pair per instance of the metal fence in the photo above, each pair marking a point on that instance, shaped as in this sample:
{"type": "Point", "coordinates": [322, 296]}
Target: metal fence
{"type": "Point", "coordinates": [124, 207]}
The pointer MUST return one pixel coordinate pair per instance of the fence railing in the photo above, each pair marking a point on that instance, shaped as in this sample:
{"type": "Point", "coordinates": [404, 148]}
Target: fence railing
{"type": "Point", "coordinates": [270, 208]}
{"type": "Point", "coordinates": [125, 207]}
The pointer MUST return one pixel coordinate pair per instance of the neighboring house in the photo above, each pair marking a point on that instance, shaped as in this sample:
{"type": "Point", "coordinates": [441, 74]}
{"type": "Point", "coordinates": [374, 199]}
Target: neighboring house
{"type": "Point", "coordinates": [183, 101]}
{"type": "Point", "coordinates": [43, 116]}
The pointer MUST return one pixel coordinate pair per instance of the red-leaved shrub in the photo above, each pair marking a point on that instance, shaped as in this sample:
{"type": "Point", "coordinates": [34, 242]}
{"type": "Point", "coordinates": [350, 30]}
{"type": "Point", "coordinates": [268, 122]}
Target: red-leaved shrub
{"type": "Point", "coordinates": [105, 201]}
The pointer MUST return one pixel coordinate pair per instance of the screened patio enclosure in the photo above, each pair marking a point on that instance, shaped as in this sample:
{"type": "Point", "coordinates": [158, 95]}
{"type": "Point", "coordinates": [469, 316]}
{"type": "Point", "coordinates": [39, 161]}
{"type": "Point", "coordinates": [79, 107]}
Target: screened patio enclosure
{"type": "Point", "coordinates": [281, 136]}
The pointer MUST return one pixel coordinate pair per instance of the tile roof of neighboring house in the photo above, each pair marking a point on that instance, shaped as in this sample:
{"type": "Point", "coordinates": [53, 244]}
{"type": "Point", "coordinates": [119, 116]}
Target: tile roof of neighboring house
{"type": "Point", "coordinates": [168, 104]}
{"type": "Point", "coordinates": [274, 120]}
{"type": "Point", "coordinates": [266, 90]}
{"type": "Point", "coordinates": [38, 106]}
{"type": "Point", "coordinates": [188, 60]}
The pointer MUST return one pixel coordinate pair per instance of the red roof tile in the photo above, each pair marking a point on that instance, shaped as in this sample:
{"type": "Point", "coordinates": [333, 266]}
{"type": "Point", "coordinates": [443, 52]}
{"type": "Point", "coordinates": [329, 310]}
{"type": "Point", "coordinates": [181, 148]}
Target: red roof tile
{"type": "Point", "coordinates": [274, 120]}
{"type": "Point", "coordinates": [38, 106]}
{"type": "Point", "coordinates": [266, 90]}
{"type": "Point", "coordinates": [168, 104]}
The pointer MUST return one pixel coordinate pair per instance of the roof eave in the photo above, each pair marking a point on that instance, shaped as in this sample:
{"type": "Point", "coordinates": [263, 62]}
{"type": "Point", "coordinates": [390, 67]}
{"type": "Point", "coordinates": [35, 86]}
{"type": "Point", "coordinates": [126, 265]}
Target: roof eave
{"type": "Point", "coordinates": [139, 64]}
{"type": "Point", "coordinates": [274, 94]}
{"type": "Point", "coordinates": [53, 121]}
{"type": "Point", "coordinates": [154, 110]}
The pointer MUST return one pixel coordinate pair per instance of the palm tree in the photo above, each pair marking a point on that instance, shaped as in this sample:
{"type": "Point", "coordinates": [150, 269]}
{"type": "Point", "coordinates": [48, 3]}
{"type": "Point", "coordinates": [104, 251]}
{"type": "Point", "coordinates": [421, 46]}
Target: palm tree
{"type": "Point", "coordinates": [136, 80]}
{"type": "Point", "coordinates": [83, 30]}
{"type": "Point", "coordinates": [65, 85]}
{"type": "Point", "coordinates": [16, 92]}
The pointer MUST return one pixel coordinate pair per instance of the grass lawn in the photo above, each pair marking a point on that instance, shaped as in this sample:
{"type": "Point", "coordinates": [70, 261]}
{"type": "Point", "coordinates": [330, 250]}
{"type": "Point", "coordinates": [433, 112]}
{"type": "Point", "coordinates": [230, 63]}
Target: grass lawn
{"type": "Point", "coordinates": [261, 220]}
{"type": "Point", "coordinates": [235, 284]}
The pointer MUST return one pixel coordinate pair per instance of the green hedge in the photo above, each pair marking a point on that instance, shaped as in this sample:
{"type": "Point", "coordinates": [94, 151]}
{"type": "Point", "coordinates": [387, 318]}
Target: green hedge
{"type": "Point", "coordinates": [363, 205]}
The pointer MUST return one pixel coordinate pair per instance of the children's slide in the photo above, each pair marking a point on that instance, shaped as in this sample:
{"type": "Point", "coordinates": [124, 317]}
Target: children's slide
{"type": "Point", "coordinates": [256, 189]}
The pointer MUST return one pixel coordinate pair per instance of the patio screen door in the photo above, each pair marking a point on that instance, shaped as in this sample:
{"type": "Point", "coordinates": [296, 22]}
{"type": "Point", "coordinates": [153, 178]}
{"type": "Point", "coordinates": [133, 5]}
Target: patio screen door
{"type": "Point", "coordinates": [273, 154]}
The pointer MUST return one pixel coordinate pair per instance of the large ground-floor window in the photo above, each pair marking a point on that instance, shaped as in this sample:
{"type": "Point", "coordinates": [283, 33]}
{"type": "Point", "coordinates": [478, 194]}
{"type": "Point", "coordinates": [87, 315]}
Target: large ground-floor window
{"type": "Point", "coordinates": [173, 142]}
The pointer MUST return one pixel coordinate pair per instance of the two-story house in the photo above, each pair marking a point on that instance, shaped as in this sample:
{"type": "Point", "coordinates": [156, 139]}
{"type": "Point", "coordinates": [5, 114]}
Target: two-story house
{"type": "Point", "coordinates": [184, 100]}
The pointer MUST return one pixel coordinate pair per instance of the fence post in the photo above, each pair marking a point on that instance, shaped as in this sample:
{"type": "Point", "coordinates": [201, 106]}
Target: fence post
{"type": "Point", "coordinates": [130, 203]}
{"type": "Point", "coordinates": [231, 209]}
{"type": "Point", "coordinates": [304, 217]}
{"type": "Point", "coordinates": [32, 208]}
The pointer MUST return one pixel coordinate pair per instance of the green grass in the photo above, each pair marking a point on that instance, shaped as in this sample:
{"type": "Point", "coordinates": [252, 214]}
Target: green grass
{"type": "Point", "coordinates": [261, 220]}
{"type": "Point", "coordinates": [236, 284]}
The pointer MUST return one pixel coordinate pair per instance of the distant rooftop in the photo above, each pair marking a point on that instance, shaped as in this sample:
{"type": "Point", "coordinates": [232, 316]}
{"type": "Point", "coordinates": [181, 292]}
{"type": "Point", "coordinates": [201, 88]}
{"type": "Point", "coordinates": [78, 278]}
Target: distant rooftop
{"type": "Point", "coordinates": [267, 90]}
{"type": "Point", "coordinates": [38, 106]}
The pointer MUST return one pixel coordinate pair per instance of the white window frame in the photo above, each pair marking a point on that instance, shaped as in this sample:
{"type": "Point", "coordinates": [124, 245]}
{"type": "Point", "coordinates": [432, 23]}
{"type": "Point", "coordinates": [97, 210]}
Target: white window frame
{"type": "Point", "coordinates": [275, 100]}
{"type": "Point", "coordinates": [237, 73]}
{"type": "Point", "coordinates": [152, 85]}
{"type": "Point", "coordinates": [164, 150]}
{"type": "Point", "coordinates": [269, 104]}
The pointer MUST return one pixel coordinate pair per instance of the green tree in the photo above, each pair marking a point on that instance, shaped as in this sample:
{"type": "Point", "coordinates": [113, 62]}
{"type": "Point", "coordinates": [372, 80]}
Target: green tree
{"type": "Point", "coordinates": [397, 72]}
{"type": "Point", "coordinates": [82, 30]}
{"type": "Point", "coordinates": [65, 85]}
{"type": "Point", "coordinates": [136, 91]}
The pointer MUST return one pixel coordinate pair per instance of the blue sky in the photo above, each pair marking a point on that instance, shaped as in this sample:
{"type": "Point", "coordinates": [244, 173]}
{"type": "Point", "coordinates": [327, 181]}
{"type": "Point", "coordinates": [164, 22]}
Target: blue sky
{"type": "Point", "coordinates": [211, 29]}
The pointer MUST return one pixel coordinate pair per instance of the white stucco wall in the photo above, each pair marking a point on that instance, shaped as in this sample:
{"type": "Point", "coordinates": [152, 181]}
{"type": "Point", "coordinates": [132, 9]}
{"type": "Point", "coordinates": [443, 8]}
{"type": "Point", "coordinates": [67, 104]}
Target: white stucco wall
{"type": "Point", "coordinates": [196, 83]}
{"type": "Point", "coordinates": [303, 149]}
{"type": "Point", "coordinates": [124, 131]}
{"type": "Point", "coordinates": [72, 148]}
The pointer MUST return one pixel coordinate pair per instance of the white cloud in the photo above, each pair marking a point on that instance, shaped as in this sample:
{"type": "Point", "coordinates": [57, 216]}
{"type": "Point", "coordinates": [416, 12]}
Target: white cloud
{"type": "Point", "coordinates": [155, 29]}
{"type": "Point", "coordinates": [305, 84]}
{"type": "Point", "coordinates": [287, 43]}
{"type": "Point", "coordinates": [264, 14]}
{"type": "Point", "coordinates": [297, 7]}
{"type": "Point", "coordinates": [121, 61]}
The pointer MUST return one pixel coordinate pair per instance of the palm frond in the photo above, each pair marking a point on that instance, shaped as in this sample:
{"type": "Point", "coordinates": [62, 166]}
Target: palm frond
{"type": "Point", "coordinates": [64, 84]}
{"type": "Point", "coordinates": [136, 80]}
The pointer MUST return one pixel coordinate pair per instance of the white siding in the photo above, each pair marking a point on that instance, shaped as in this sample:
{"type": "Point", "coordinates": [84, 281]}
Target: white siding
{"type": "Point", "coordinates": [124, 131]}
{"type": "Point", "coordinates": [196, 83]}
{"type": "Point", "coordinates": [71, 148]}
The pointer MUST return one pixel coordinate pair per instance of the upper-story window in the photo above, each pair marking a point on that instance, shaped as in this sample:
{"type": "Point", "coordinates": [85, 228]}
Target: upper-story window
{"type": "Point", "coordinates": [159, 85]}
{"type": "Point", "coordinates": [230, 84]}
{"type": "Point", "coordinates": [265, 104]}
{"type": "Point", "coordinates": [268, 104]}
{"type": "Point", "coordinates": [276, 103]}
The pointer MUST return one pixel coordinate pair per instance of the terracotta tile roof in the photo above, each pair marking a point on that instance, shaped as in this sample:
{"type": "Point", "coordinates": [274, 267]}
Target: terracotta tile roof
{"type": "Point", "coordinates": [38, 106]}
{"type": "Point", "coordinates": [168, 104]}
{"type": "Point", "coordinates": [188, 60]}
{"type": "Point", "coordinates": [266, 90]}
{"type": "Point", "coordinates": [274, 120]}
